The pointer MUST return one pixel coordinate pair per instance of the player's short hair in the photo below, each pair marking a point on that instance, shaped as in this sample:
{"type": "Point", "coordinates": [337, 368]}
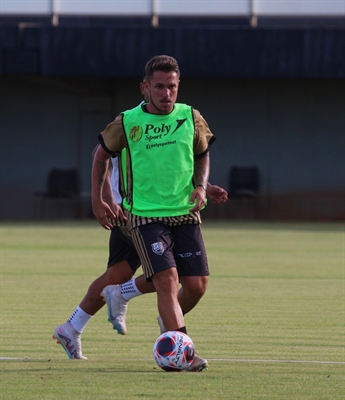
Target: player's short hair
{"type": "Point", "coordinates": [161, 63]}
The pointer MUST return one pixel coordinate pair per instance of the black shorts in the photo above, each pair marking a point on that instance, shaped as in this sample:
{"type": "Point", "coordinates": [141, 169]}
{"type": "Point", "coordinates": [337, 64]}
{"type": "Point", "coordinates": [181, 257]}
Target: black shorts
{"type": "Point", "coordinates": [121, 248]}
{"type": "Point", "coordinates": [162, 246]}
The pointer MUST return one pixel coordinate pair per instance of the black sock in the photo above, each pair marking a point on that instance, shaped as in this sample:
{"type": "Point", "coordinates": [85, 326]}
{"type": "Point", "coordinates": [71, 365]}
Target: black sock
{"type": "Point", "coordinates": [183, 330]}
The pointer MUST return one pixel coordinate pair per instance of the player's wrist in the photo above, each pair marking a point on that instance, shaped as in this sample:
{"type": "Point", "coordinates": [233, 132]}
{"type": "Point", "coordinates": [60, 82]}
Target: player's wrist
{"type": "Point", "coordinates": [201, 185]}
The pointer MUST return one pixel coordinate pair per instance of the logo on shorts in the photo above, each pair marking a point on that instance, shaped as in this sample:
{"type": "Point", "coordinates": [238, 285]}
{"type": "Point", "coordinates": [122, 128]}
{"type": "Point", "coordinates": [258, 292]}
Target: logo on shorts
{"type": "Point", "coordinates": [157, 248]}
{"type": "Point", "coordinates": [187, 255]}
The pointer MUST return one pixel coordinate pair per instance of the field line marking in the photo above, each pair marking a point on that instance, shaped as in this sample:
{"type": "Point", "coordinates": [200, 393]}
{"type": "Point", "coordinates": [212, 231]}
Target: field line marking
{"type": "Point", "coordinates": [233, 360]}
{"type": "Point", "coordinates": [22, 359]}
{"type": "Point", "coordinates": [276, 361]}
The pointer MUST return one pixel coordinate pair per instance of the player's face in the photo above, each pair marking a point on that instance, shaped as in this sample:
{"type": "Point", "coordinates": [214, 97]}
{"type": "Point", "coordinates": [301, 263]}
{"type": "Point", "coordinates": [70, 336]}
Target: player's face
{"type": "Point", "coordinates": [163, 90]}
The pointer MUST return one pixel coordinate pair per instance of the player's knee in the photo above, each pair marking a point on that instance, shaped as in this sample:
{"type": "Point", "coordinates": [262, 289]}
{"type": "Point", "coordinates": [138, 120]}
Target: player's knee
{"type": "Point", "coordinates": [197, 292]}
{"type": "Point", "coordinates": [195, 287]}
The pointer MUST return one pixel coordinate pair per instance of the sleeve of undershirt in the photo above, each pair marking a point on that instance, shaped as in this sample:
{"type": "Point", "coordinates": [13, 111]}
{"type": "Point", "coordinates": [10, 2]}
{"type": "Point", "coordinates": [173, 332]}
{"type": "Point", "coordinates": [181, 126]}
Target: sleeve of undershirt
{"type": "Point", "coordinates": [113, 139]}
{"type": "Point", "coordinates": [203, 137]}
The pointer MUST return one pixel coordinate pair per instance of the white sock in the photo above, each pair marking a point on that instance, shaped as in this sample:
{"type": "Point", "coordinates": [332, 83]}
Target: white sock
{"type": "Point", "coordinates": [79, 319]}
{"type": "Point", "coordinates": [129, 290]}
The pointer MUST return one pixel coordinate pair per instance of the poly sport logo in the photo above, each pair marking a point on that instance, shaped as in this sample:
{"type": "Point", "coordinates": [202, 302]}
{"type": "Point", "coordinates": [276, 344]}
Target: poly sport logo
{"type": "Point", "coordinates": [157, 248]}
{"type": "Point", "coordinates": [157, 131]}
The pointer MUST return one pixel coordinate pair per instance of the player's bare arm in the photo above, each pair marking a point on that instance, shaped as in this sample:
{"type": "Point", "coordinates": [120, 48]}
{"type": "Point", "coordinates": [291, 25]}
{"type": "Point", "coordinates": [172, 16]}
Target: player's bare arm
{"type": "Point", "coordinates": [107, 195]}
{"type": "Point", "coordinates": [201, 174]}
{"type": "Point", "coordinates": [100, 208]}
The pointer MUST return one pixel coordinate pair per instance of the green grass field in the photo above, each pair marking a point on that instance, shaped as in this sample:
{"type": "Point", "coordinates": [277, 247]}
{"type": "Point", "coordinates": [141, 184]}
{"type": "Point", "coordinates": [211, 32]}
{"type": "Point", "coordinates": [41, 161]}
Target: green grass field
{"type": "Point", "coordinates": [271, 323]}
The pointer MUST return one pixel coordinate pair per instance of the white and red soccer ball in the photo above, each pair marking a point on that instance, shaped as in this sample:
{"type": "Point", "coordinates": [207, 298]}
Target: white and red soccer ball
{"type": "Point", "coordinates": [173, 351]}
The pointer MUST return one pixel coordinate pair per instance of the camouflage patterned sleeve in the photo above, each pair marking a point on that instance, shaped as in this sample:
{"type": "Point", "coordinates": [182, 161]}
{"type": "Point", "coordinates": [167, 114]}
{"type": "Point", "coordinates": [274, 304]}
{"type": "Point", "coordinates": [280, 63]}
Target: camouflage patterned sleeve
{"type": "Point", "coordinates": [203, 137]}
{"type": "Point", "coordinates": [113, 138]}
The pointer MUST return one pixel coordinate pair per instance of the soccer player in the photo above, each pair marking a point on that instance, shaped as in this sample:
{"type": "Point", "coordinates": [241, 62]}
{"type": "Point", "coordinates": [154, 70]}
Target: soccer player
{"type": "Point", "coordinates": [122, 264]}
{"type": "Point", "coordinates": [166, 172]}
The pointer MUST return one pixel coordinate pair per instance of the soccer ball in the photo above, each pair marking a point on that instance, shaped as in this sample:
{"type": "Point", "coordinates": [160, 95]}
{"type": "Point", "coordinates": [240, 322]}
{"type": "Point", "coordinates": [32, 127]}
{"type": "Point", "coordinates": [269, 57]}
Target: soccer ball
{"type": "Point", "coordinates": [173, 351]}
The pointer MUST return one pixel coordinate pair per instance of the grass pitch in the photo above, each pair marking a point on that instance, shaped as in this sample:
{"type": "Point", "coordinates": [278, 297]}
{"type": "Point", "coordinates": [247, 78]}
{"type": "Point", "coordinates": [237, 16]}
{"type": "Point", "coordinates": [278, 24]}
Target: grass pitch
{"type": "Point", "coordinates": [271, 323]}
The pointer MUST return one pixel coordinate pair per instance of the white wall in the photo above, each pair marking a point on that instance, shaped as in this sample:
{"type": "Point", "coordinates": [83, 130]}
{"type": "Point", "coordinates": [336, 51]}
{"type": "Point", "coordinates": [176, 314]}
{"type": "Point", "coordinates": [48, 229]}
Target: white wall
{"type": "Point", "coordinates": [174, 7]}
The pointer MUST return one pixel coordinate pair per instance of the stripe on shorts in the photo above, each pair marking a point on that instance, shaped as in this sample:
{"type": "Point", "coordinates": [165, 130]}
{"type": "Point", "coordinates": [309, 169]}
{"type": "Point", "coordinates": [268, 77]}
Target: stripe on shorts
{"type": "Point", "coordinates": [141, 249]}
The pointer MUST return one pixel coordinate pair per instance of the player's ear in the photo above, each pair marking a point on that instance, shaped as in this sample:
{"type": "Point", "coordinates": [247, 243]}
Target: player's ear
{"type": "Point", "coordinates": [144, 87]}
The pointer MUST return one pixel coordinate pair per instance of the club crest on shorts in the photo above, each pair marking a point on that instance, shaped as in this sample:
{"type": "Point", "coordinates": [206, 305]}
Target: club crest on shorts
{"type": "Point", "coordinates": [157, 248]}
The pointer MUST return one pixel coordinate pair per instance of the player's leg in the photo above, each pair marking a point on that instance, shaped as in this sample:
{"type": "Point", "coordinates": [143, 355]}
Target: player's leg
{"type": "Point", "coordinates": [159, 265]}
{"type": "Point", "coordinates": [167, 284]}
{"type": "Point", "coordinates": [116, 296]}
{"type": "Point", "coordinates": [192, 265]}
{"type": "Point", "coordinates": [193, 287]}
{"type": "Point", "coordinates": [69, 333]}
{"type": "Point", "coordinates": [188, 296]}
{"type": "Point", "coordinates": [192, 290]}
{"type": "Point", "coordinates": [114, 275]}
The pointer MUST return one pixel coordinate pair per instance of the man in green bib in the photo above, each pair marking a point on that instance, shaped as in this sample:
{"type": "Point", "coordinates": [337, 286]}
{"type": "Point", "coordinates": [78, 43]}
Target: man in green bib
{"type": "Point", "coordinates": [164, 151]}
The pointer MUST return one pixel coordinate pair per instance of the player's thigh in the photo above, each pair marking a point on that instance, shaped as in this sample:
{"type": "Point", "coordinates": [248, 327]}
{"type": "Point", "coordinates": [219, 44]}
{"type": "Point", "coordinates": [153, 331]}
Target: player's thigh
{"type": "Point", "coordinates": [122, 253]}
{"type": "Point", "coordinates": [154, 243]}
{"type": "Point", "coordinates": [189, 251]}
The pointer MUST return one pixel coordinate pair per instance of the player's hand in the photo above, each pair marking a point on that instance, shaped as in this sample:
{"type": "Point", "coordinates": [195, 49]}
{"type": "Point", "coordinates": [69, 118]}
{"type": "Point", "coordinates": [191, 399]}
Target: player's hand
{"type": "Point", "coordinates": [118, 212]}
{"type": "Point", "coordinates": [103, 213]}
{"type": "Point", "coordinates": [217, 194]}
{"type": "Point", "coordinates": [198, 197]}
